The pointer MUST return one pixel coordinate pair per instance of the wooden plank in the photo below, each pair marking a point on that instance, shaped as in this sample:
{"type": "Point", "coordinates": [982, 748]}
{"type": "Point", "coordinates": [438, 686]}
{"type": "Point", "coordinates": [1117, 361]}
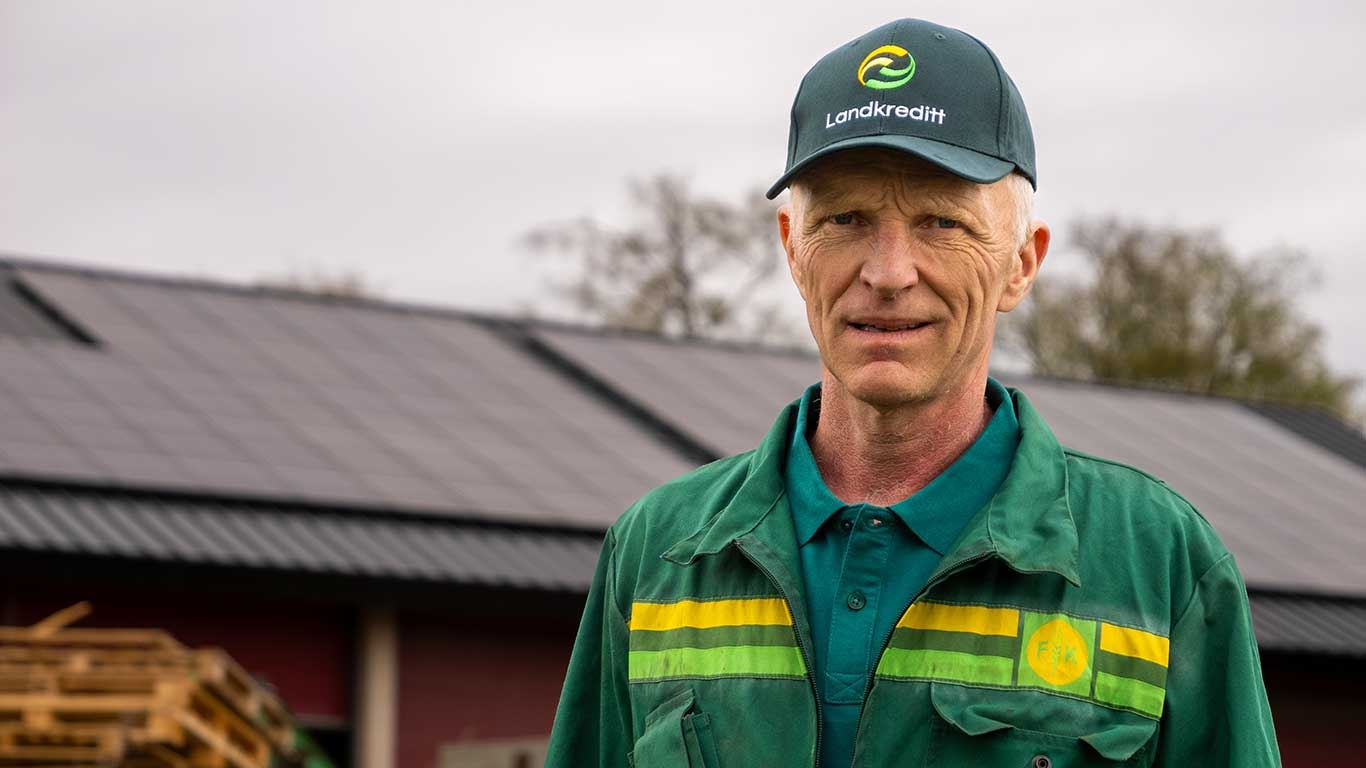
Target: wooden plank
{"type": "Point", "coordinates": [83, 703]}
{"type": "Point", "coordinates": [76, 657]}
{"type": "Point", "coordinates": [209, 722]}
{"type": "Point", "coordinates": [240, 690]}
{"type": "Point", "coordinates": [102, 744]}
{"type": "Point", "coordinates": [165, 758]}
{"type": "Point", "coordinates": [49, 626]}
{"type": "Point", "coordinates": [223, 751]}
{"type": "Point", "coordinates": [100, 637]}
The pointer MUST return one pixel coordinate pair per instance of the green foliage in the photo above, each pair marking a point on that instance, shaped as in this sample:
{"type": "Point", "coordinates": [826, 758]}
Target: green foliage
{"type": "Point", "coordinates": [1177, 308]}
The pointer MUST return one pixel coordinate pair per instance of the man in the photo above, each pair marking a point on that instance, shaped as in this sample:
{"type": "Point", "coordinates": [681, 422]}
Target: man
{"type": "Point", "coordinates": [909, 570]}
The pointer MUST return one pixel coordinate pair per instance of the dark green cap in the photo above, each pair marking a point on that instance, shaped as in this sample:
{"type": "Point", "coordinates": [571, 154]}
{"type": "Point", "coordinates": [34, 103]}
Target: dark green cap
{"type": "Point", "coordinates": [935, 92]}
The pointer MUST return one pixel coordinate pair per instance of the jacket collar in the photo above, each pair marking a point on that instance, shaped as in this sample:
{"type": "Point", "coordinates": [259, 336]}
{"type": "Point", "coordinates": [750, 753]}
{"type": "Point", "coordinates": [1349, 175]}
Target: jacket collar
{"type": "Point", "coordinates": [1028, 523]}
{"type": "Point", "coordinates": [753, 500]}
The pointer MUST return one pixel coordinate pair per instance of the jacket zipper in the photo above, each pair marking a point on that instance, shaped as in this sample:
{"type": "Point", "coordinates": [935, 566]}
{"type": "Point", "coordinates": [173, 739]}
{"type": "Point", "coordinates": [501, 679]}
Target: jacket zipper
{"type": "Point", "coordinates": [886, 641]}
{"type": "Point", "coordinates": [801, 644]}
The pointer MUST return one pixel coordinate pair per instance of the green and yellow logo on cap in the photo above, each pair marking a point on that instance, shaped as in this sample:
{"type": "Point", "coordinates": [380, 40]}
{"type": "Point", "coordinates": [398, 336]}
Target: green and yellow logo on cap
{"type": "Point", "coordinates": [889, 66]}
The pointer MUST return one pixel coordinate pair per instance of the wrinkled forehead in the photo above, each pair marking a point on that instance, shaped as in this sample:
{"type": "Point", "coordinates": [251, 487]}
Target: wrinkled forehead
{"type": "Point", "coordinates": [877, 173]}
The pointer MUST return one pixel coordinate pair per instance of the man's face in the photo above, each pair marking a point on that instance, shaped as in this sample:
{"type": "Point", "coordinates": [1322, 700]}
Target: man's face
{"type": "Point", "coordinates": [903, 268]}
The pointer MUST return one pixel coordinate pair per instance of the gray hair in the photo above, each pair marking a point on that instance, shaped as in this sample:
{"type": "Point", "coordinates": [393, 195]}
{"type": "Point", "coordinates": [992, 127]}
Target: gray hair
{"type": "Point", "coordinates": [1023, 192]}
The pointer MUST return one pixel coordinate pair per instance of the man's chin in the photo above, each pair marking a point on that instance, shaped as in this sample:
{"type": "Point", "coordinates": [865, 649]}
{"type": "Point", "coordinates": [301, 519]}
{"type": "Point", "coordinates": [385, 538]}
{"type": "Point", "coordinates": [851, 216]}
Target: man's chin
{"type": "Point", "coordinates": [887, 384]}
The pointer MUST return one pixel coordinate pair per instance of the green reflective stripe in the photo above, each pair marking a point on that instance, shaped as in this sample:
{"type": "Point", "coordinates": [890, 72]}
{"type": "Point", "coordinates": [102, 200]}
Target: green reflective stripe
{"type": "Point", "coordinates": [962, 642]}
{"type": "Point", "coordinates": [1128, 666]}
{"type": "Point", "coordinates": [1131, 694]}
{"type": "Point", "coordinates": [950, 666]}
{"type": "Point", "coordinates": [723, 661]}
{"type": "Point", "coordinates": [713, 637]}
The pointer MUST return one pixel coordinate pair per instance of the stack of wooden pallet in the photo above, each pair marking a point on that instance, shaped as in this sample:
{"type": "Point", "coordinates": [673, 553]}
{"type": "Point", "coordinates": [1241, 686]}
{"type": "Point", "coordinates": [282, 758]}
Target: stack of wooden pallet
{"type": "Point", "coordinates": [133, 697]}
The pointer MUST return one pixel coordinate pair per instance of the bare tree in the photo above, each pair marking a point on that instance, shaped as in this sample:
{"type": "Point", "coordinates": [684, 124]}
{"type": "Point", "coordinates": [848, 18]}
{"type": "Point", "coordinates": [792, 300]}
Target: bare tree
{"type": "Point", "coordinates": [1178, 308]}
{"type": "Point", "coordinates": [345, 284]}
{"type": "Point", "coordinates": [687, 265]}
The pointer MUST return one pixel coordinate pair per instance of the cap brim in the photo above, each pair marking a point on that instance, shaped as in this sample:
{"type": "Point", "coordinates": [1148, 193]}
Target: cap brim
{"type": "Point", "coordinates": [967, 163]}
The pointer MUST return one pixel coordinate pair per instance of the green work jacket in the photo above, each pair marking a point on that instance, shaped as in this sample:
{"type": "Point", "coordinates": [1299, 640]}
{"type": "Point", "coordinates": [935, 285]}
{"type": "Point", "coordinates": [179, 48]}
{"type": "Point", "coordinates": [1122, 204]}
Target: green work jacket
{"type": "Point", "coordinates": [1086, 616]}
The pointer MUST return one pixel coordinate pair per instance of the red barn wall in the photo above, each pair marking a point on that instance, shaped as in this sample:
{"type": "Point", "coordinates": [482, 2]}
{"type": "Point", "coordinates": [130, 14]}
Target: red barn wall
{"type": "Point", "coordinates": [477, 677]}
{"type": "Point", "coordinates": [1318, 708]}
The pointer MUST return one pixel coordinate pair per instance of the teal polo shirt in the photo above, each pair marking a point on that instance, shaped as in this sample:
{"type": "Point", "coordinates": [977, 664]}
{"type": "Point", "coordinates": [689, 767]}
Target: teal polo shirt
{"type": "Point", "coordinates": [863, 563]}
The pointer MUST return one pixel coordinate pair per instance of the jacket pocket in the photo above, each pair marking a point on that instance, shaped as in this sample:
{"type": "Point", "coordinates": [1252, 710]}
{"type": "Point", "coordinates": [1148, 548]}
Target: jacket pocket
{"type": "Point", "coordinates": [1016, 729]}
{"type": "Point", "coordinates": [676, 736]}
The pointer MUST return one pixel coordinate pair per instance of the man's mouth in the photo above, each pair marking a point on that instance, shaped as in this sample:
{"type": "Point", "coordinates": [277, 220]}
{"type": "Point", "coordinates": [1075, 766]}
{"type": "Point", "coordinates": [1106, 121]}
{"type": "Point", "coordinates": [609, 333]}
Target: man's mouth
{"type": "Point", "coordinates": [887, 327]}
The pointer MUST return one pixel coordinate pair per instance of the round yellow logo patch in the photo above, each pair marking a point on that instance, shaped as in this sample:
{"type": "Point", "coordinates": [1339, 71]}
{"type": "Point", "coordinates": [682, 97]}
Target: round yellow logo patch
{"type": "Point", "coordinates": [1057, 652]}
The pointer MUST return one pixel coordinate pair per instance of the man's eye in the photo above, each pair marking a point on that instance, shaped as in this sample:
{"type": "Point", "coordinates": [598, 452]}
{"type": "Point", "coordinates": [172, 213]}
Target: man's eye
{"type": "Point", "coordinates": [843, 218]}
{"type": "Point", "coordinates": [945, 223]}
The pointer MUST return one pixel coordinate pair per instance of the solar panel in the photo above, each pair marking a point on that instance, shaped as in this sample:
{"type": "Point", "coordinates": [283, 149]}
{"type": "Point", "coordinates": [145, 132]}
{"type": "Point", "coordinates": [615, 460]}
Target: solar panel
{"type": "Point", "coordinates": [723, 397]}
{"type": "Point", "coordinates": [21, 317]}
{"type": "Point", "coordinates": [261, 393]}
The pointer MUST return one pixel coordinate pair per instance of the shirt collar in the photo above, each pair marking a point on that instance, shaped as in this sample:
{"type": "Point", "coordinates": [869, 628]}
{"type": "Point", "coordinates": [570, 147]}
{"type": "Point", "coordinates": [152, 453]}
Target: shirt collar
{"type": "Point", "coordinates": [936, 513]}
{"type": "Point", "coordinates": [812, 502]}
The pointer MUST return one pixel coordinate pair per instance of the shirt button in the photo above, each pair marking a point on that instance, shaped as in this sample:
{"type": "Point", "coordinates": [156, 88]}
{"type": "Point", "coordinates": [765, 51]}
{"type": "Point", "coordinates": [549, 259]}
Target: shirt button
{"type": "Point", "coordinates": [875, 522]}
{"type": "Point", "coordinates": [846, 525]}
{"type": "Point", "coordinates": [1041, 761]}
{"type": "Point", "coordinates": [856, 600]}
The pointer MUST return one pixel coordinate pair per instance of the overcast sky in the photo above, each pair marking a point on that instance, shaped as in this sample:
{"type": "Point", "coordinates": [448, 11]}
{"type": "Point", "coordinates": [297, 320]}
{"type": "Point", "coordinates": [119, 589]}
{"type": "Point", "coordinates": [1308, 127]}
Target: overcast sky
{"type": "Point", "coordinates": [414, 141]}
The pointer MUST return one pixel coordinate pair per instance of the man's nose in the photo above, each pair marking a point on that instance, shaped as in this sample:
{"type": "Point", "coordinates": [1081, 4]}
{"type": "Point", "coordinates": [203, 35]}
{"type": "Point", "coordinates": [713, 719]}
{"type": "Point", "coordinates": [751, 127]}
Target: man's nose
{"type": "Point", "coordinates": [890, 266]}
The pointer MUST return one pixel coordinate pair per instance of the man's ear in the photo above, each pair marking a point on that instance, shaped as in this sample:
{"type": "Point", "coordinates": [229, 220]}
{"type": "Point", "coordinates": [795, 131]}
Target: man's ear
{"type": "Point", "coordinates": [785, 224]}
{"type": "Point", "coordinates": [785, 227]}
{"type": "Point", "coordinates": [1025, 266]}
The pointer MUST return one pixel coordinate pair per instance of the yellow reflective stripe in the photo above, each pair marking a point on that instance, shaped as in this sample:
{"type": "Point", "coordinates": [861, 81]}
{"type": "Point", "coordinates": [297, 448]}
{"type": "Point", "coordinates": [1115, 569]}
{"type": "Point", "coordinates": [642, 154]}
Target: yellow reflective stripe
{"type": "Point", "coordinates": [976, 619]}
{"type": "Point", "coordinates": [710, 613]}
{"type": "Point", "coordinates": [1134, 643]}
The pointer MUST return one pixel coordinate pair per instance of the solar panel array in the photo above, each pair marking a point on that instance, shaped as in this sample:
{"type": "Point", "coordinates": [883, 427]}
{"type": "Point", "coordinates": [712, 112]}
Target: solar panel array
{"type": "Point", "coordinates": [20, 317]}
{"type": "Point", "coordinates": [725, 397]}
{"type": "Point", "coordinates": [252, 394]}
{"type": "Point", "coordinates": [1289, 509]}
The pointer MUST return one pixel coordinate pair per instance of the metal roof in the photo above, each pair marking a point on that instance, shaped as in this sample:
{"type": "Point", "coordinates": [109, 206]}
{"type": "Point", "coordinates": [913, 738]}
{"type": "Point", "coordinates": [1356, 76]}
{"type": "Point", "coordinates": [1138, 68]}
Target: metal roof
{"type": "Point", "coordinates": [1289, 508]}
{"type": "Point", "coordinates": [1297, 624]}
{"type": "Point", "coordinates": [111, 524]}
{"type": "Point", "coordinates": [1319, 426]}
{"type": "Point", "coordinates": [206, 389]}
{"type": "Point", "coordinates": [203, 532]}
